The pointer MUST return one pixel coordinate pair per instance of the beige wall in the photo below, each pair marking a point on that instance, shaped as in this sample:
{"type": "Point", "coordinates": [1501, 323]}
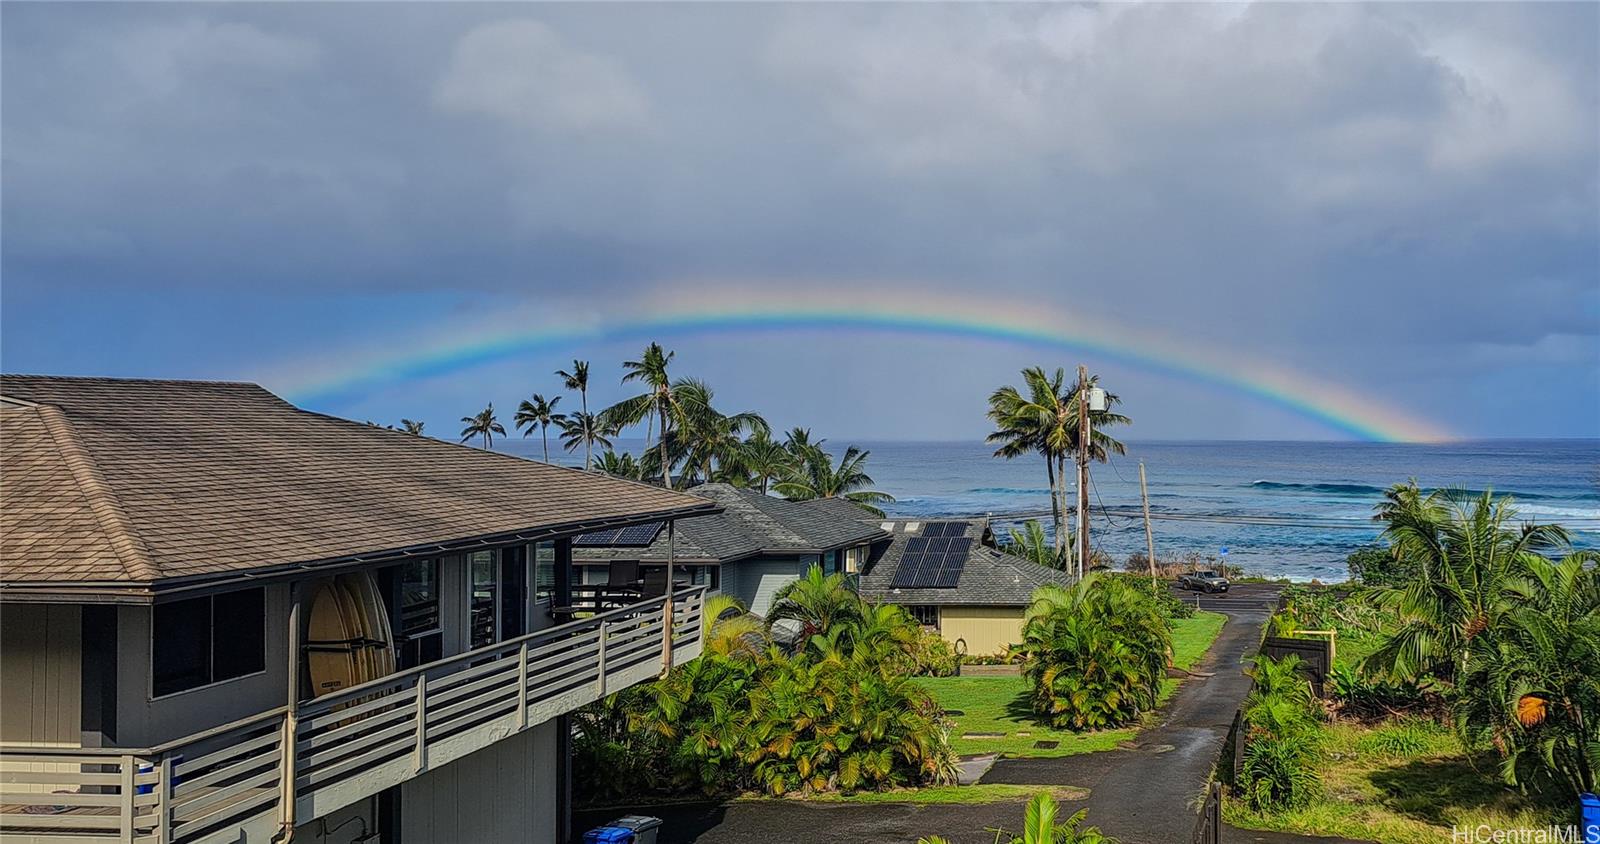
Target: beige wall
{"type": "Point", "coordinates": [503, 793]}
{"type": "Point", "coordinates": [41, 667]}
{"type": "Point", "coordinates": [986, 630]}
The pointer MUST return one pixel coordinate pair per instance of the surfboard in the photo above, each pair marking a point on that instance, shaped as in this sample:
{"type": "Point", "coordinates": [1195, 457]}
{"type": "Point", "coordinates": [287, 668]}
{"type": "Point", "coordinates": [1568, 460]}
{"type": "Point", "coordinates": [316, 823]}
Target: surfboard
{"type": "Point", "coordinates": [330, 656]}
{"type": "Point", "coordinates": [377, 658]}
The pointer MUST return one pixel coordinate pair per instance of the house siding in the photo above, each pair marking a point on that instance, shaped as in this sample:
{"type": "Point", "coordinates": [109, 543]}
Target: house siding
{"type": "Point", "coordinates": [985, 630]}
{"type": "Point", "coordinates": [41, 674]}
{"type": "Point", "coordinates": [755, 582]}
{"type": "Point", "coordinates": [503, 793]}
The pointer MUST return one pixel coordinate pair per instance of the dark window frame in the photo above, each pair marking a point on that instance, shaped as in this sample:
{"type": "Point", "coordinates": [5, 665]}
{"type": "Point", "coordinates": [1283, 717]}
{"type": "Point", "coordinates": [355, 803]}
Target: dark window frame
{"type": "Point", "coordinates": [210, 646]}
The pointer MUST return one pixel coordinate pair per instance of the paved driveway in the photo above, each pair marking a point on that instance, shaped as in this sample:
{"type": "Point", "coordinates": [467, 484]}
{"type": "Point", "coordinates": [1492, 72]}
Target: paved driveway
{"type": "Point", "coordinates": [1143, 795]}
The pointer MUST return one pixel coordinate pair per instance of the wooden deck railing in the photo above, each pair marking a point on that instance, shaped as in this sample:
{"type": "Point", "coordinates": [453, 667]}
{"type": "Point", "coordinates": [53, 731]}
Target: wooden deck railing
{"type": "Point", "coordinates": [343, 747]}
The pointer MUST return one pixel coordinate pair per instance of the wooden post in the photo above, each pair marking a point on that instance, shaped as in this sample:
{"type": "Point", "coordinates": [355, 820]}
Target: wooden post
{"type": "Point", "coordinates": [522, 686]}
{"type": "Point", "coordinates": [419, 754]}
{"type": "Point", "coordinates": [291, 719]}
{"type": "Point", "coordinates": [163, 800]}
{"type": "Point", "coordinates": [130, 766]}
{"type": "Point", "coordinates": [600, 681]}
{"type": "Point", "coordinates": [1149, 537]}
{"type": "Point", "coordinates": [666, 641]}
{"type": "Point", "coordinates": [1084, 440]}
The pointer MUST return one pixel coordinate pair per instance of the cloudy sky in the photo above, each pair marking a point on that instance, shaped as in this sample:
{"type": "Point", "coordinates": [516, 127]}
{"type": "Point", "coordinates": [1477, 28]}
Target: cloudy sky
{"type": "Point", "coordinates": [1399, 201]}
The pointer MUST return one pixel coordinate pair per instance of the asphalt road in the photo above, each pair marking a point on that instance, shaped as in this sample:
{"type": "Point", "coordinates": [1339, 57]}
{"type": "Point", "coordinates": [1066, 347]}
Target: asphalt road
{"type": "Point", "coordinates": [1143, 795]}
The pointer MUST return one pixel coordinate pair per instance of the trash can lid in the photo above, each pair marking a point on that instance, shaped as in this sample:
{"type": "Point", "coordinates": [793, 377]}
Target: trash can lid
{"type": "Point", "coordinates": [637, 823]}
{"type": "Point", "coordinates": [608, 835]}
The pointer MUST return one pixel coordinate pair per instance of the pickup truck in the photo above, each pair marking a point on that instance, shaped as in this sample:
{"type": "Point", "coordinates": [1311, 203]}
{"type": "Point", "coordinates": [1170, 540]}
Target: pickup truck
{"type": "Point", "coordinates": [1204, 581]}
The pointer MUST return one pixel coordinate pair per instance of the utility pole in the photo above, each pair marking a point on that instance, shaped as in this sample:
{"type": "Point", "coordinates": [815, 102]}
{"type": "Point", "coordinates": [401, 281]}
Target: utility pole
{"type": "Point", "coordinates": [1084, 438]}
{"type": "Point", "coordinates": [1149, 538]}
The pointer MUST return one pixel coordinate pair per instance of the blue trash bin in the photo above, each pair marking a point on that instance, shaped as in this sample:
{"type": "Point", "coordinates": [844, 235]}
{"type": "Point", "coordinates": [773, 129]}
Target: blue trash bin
{"type": "Point", "coordinates": [1590, 811]}
{"type": "Point", "coordinates": [608, 835]}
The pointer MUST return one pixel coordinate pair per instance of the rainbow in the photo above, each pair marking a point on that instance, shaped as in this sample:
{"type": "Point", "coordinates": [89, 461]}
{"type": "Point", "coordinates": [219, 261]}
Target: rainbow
{"type": "Point", "coordinates": [711, 309]}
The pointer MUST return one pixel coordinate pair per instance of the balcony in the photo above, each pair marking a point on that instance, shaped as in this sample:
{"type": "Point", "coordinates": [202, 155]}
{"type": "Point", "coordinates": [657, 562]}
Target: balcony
{"type": "Point", "coordinates": [228, 783]}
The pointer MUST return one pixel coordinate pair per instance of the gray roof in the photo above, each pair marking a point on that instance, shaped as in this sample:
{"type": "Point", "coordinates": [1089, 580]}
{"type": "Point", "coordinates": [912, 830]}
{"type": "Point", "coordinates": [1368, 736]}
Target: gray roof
{"type": "Point", "coordinates": [749, 525]}
{"type": "Point", "coordinates": [990, 577]}
{"type": "Point", "coordinates": [136, 482]}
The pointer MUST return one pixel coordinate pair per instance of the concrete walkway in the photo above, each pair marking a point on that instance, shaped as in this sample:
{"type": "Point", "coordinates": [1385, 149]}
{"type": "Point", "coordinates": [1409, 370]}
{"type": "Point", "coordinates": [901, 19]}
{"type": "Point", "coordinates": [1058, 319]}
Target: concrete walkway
{"type": "Point", "coordinates": [1143, 795]}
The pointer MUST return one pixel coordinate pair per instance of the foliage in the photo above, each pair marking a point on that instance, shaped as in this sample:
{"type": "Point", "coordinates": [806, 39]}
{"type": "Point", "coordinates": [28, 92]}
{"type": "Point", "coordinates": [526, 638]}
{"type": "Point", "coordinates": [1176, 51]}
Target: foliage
{"type": "Point", "coordinates": [483, 424]}
{"type": "Point", "coordinates": [1170, 605]}
{"type": "Point", "coordinates": [585, 429]}
{"type": "Point", "coordinates": [412, 426]}
{"type": "Point", "coordinates": [620, 466]}
{"type": "Point", "coordinates": [837, 714]}
{"type": "Point", "coordinates": [931, 656]}
{"type": "Point", "coordinates": [817, 476]}
{"type": "Point", "coordinates": [1030, 543]}
{"type": "Point", "coordinates": [1373, 696]}
{"type": "Point", "coordinates": [1042, 419]}
{"type": "Point", "coordinates": [1376, 565]}
{"type": "Point", "coordinates": [539, 412]}
{"type": "Point", "coordinates": [578, 379]}
{"type": "Point", "coordinates": [1282, 738]}
{"type": "Point", "coordinates": [1040, 827]}
{"type": "Point", "coordinates": [1096, 652]}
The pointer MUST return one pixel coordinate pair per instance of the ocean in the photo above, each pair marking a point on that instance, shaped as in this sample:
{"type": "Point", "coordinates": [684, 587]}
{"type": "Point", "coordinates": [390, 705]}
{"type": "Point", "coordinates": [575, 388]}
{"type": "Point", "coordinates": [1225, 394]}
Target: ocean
{"type": "Point", "coordinates": [1212, 498]}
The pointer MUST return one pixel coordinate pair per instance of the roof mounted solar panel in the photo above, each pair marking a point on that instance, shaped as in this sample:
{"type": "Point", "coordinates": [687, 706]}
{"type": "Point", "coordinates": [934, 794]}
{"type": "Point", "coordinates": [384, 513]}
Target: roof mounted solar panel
{"type": "Point", "coordinates": [599, 537]}
{"type": "Point", "coordinates": [638, 534]}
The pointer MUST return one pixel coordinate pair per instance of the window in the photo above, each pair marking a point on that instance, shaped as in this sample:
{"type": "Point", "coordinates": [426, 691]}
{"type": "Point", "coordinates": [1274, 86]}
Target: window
{"type": "Point", "coordinates": [207, 640]}
{"type": "Point", "coordinates": [853, 559]}
{"type": "Point", "coordinates": [925, 615]}
{"type": "Point", "coordinates": [513, 592]}
{"type": "Point", "coordinates": [830, 562]}
{"type": "Point", "coordinates": [485, 590]}
{"type": "Point", "coordinates": [411, 593]}
{"type": "Point", "coordinates": [544, 572]}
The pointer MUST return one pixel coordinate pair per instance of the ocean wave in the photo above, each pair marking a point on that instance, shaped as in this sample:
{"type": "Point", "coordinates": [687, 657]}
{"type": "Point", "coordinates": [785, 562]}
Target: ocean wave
{"type": "Point", "coordinates": [1007, 490]}
{"type": "Point", "coordinates": [1368, 490]}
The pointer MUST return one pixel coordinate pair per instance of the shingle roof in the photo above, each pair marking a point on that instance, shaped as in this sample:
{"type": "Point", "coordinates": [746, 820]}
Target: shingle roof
{"type": "Point", "coordinates": [750, 524]}
{"type": "Point", "coordinates": [990, 577]}
{"type": "Point", "coordinates": [134, 482]}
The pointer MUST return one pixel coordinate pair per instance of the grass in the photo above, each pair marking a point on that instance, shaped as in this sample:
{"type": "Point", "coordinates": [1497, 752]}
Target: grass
{"type": "Point", "coordinates": [1400, 783]}
{"type": "Point", "coordinates": [999, 704]}
{"type": "Point", "coordinates": [942, 794]}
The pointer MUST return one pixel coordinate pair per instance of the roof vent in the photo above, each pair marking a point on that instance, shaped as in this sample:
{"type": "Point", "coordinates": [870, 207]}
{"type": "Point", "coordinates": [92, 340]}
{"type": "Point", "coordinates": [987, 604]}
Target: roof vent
{"type": "Point", "coordinates": [911, 527]}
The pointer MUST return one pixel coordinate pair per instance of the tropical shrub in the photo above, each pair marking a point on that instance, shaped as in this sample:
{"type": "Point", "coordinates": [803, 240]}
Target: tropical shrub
{"type": "Point", "coordinates": [1365, 696]}
{"type": "Point", "coordinates": [1377, 565]}
{"type": "Point", "coordinates": [1169, 604]}
{"type": "Point", "coordinates": [1282, 738]}
{"type": "Point", "coordinates": [931, 656]}
{"type": "Point", "coordinates": [839, 712]}
{"type": "Point", "coordinates": [1040, 827]}
{"type": "Point", "coordinates": [1095, 653]}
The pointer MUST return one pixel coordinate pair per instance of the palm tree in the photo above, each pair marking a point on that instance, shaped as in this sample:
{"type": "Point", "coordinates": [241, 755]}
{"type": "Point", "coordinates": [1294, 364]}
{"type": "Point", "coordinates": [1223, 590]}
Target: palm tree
{"type": "Point", "coordinates": [1042, 418]}
{"type": "Point", "coordinates": [578, 379]}
{"type": "Point", "coordinates": [818, 477]}
{"type": "Point", "coordinates": [818, 601]}
{"type": "Point", "coordinates": [541, 414]}
{"type": "Point", "coordinates": [483, 425]}
{"type": "Point", "coordinates": [412, 427]}
{"type": "Point", "coordinates": [710, 435]}
{"type": "Point", "coordinates": [764, 459]}
{"type": "Point", "coordinates": [620, 466]}
{"type": "Point", "coordinates": [798, 442]}
{"type": "Point", "coordinates": [587, 430]}
{"type": "Point", "coordinates": [1030, 542]}
{"type": "Point", "coordinates": [656, 403]}
{"type": "Point", "coordinates": [1473, 568]}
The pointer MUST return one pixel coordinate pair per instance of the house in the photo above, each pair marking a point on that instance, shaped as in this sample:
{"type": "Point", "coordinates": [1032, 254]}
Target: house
{"type": "Point", "coordinates": [753, 547]}
{"type": "Point", "coordinates": [223, 618]}
{"type": "Point", "coordinates": [950, 575]}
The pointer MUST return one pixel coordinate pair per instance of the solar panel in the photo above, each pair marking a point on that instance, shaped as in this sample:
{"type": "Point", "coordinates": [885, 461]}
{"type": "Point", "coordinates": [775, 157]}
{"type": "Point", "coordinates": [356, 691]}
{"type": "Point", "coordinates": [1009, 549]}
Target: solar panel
{"type": "Point", "coordinates": [910, 574]}
{"type": "Point", "coordinates": [599, 537]}
{"type": "Point", "coordinates": [944, 529]}
{"type": "Point", "coordinates": [917, 544]}
{"type": "Point", "coordinates": [638, 534]}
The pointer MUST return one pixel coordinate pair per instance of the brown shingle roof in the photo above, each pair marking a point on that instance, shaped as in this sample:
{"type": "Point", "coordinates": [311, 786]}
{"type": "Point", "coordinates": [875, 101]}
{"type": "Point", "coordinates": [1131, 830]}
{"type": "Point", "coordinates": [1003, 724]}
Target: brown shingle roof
{"type": "Point", "coordinates": [112, 480]}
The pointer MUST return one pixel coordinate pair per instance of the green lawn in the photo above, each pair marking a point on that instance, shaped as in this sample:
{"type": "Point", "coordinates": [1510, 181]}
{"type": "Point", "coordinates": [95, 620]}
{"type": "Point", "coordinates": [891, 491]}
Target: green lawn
{"type": "Point", "coordinates": [1400, 784]}
{"type": "Point", "coordinates": [1000, 704]}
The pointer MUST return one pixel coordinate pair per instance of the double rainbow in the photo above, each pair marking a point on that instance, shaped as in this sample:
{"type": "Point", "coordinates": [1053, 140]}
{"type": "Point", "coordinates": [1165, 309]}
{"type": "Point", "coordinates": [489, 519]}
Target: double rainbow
{"type": "Point", "coordinates": [718, 309]}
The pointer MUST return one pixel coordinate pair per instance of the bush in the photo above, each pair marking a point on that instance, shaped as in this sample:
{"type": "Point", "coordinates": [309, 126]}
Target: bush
{"type": "Point", "coordinates": [1282, 738]}
{"type": "Point", "coordinates": [1374, 696]}
{"type": "Point", "coordinates": [1095, 653]}
{"type": "Point", "coordinates": [837, 714]}
{"type": "Point", "coordinates": [1406, 738]}
{"type": "Point", "coordinates": [1378, 565]}
{"type": "Point", "coordinates": [931, 656]}
{"type": "Point", "coordinates": [1040, 827]}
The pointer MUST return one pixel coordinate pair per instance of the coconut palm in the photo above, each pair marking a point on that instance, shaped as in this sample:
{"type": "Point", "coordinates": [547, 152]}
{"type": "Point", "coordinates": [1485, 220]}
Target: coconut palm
{"type": "Point", "coordinates": [655, 404]}
{"type": "Point", "coordinates": [709, 435]}
{"type": "Point", "coordinates": [1042, 418]}
{"type": "Point", "coordinates": [818, 477]}
{"type": "Point", "coordinates": [587, 430]}
{"type": "Point", "coordinates": [764, 460]}
{"type": "Point", "coordinates": [412, 427]}
{"type": "Point", "coordinates": [483, 425]}
{"type": "Point", "coordinates": [1030, 542]}
{"type": "Point", "coordinates": [539, 413]}
{"type": "Point", "coordinates": [620, 466]}
{"type": "Point", "coordinates": [578, 379]}
{"type": "Point", "coordinates": [798, 442]}
{"type": "Point", "coordinates": [1473, 566]}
